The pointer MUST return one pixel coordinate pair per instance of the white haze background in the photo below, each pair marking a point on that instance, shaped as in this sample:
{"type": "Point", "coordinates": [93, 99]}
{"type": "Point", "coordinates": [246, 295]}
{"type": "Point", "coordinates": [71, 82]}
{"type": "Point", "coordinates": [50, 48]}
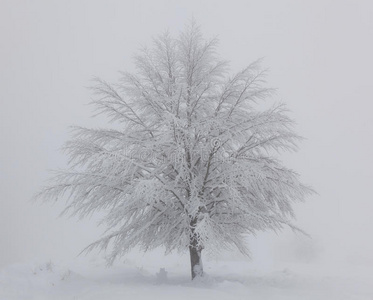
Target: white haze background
{"type": "Point", "coordinates": [320, 57]}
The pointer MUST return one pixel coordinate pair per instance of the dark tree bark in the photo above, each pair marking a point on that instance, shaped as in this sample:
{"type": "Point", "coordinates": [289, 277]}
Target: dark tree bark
{"type": "Point", "coordinates": [196, 261]}
{"type": "Point", "coordinates": [195, 251]}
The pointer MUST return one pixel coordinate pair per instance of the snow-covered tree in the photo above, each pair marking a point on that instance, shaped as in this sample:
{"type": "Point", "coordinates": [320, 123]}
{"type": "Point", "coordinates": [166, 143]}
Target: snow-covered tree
{"type": "Point", "coordinates": [190, 163]}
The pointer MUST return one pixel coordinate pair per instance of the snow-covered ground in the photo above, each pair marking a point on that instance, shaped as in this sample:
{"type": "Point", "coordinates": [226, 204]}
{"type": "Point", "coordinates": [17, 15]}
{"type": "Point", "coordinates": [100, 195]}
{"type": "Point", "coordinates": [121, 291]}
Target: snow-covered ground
{"type": "Point", "coordinates": [136, 278]}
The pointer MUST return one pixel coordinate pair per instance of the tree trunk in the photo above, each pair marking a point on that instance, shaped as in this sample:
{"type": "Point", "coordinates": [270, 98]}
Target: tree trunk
{"type": "Point", "coordinates": [196, 261]}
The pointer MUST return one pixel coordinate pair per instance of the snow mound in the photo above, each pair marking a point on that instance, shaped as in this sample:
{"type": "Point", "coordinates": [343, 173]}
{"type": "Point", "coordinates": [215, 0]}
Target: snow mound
{"type": "Point", "coordinates": [19, 281]}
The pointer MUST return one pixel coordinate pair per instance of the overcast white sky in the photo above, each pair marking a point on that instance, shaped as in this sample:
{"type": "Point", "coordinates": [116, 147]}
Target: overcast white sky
{"type": "Point", "coordinates": [320, 58]}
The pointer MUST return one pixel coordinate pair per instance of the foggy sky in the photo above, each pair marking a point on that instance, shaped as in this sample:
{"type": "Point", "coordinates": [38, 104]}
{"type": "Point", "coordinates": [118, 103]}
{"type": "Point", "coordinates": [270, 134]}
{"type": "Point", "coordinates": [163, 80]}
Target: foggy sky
{"type": "Point", "coordinates": [320, 58]}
